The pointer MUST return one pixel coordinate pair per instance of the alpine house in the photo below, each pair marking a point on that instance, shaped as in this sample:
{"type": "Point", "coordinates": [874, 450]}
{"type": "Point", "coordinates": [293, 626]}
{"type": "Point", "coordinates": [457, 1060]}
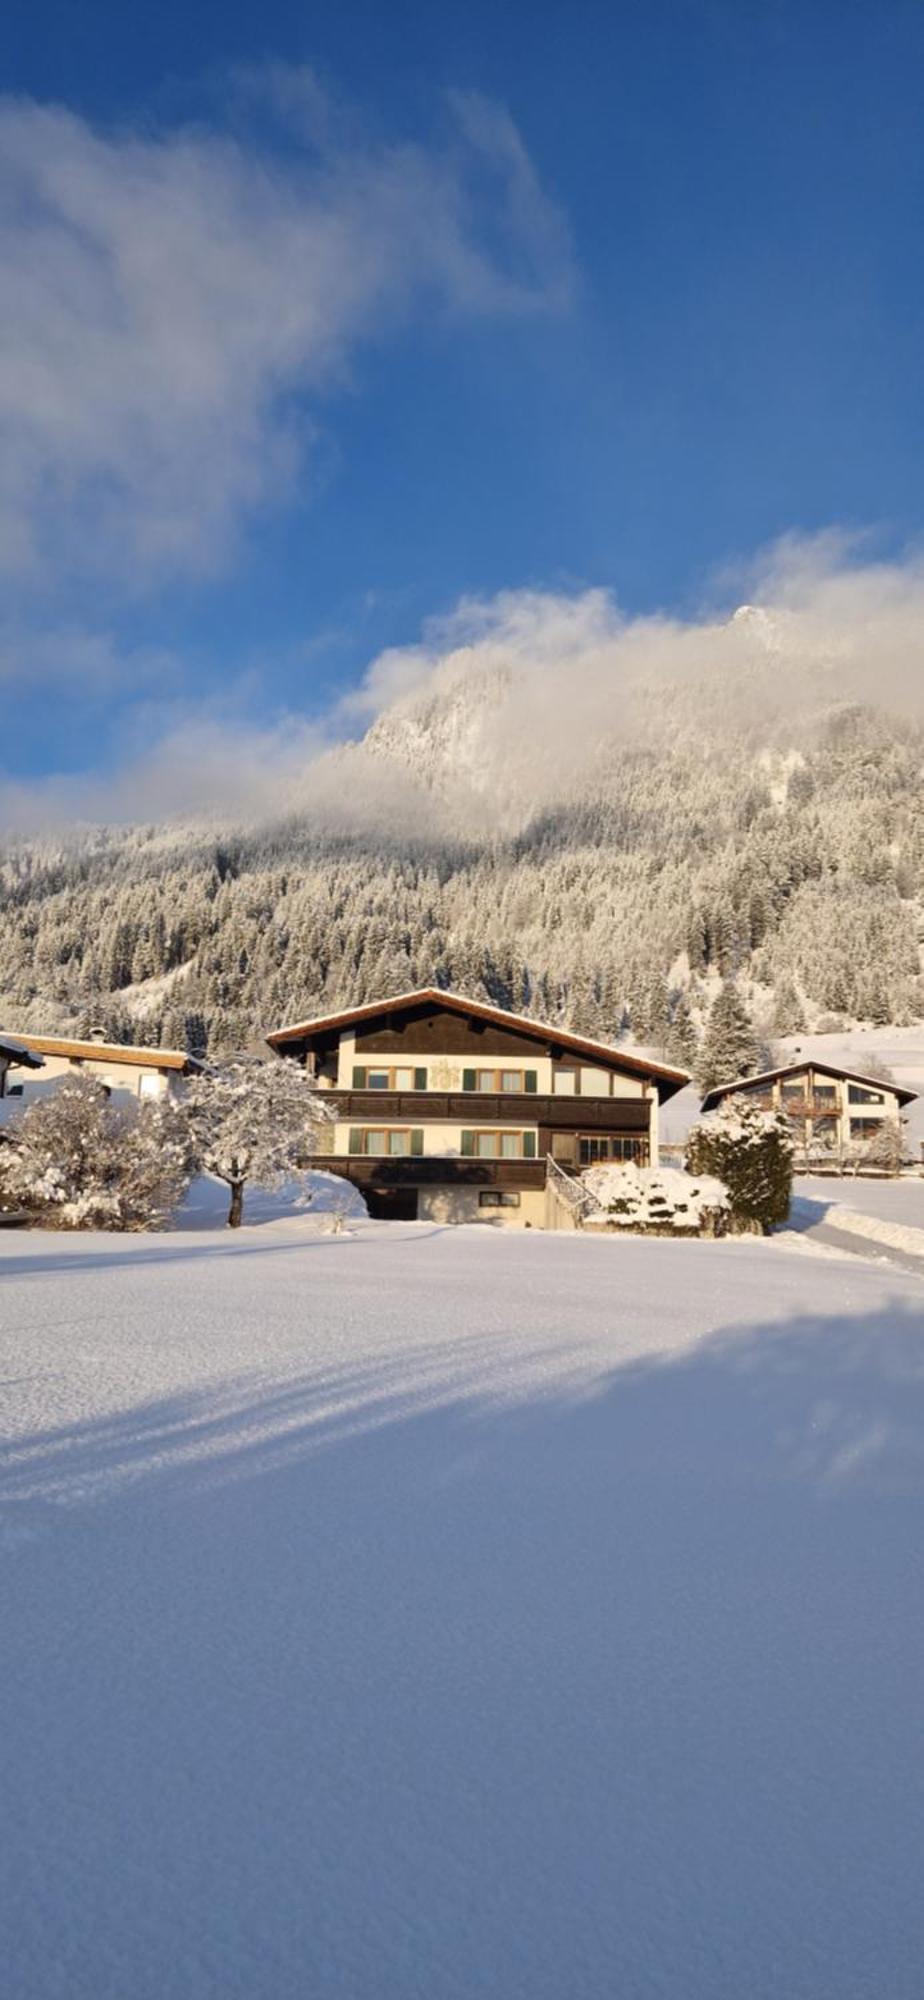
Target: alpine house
{"type": "Point", "coordinates": [454, 1110]}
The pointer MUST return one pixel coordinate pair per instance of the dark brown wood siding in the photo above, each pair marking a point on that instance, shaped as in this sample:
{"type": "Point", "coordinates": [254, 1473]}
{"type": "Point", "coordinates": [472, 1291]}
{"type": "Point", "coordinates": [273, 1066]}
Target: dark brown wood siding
{"type": "Point", "coordinates": [477, 1107]}
{"type": "Point", "coordinates": [439, 1031]}
{"type": "Point", "coordinates": [400, 1171]}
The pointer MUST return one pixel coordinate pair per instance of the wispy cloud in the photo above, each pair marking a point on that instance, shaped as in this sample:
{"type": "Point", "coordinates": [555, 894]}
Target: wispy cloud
{"type": "Point", "coordinates": [173, 301]}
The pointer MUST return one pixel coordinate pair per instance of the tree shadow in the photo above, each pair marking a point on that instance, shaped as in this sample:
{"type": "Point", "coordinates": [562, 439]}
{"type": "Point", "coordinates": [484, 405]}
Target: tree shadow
{"type": "Point", "coordinates": [480, 1671]}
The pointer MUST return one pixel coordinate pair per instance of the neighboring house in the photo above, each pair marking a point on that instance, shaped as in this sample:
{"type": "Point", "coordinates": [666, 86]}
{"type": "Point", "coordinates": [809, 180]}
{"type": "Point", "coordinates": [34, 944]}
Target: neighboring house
{"type": "Point", "coordinates": [15, 1055]}
{"type": "Point", "coordinates": [126, 1071]}
{"type": "Point", "coordinates": [450, 1109]}
{"type": "Point", "coordinates": [836, 1115]}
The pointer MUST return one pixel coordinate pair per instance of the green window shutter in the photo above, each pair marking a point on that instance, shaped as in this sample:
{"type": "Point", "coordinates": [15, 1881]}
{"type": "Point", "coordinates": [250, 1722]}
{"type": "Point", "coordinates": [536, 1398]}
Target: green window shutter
{"type": "Point", "coordinates": [359, 1077]}
{"type": "Point", "coordinates": [531, 1079]}
{"type": "Point", "coordinates": [417, 1143]}
{"type": "Point", "coordinates": [356, 1139]}
{"type": "Point", "coordinates": [468, 1079]}
{"type": "Point", "coordinates": [420, 1079]}
{"type": "Point", "coordinates": [529, 1145]}
{"type": "Point", "coordinates": [468, 1145]}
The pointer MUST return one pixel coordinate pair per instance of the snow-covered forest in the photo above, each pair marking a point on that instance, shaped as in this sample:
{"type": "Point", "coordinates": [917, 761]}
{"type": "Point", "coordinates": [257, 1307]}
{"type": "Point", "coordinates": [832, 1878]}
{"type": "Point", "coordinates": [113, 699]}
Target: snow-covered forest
{"type": "Point", "coordinates": [669, 861]}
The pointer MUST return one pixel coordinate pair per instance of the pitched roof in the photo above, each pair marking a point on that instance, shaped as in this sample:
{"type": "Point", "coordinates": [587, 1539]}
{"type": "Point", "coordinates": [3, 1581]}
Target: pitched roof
{"type": "Point", "coordinates": [144, 1058]}
{"type": "Point", "coordinates": [16, 1052]}
{"type": "Point", "coordinates": [720, 1090]}
{"type": "Point", "coordinates": [668, 1080]}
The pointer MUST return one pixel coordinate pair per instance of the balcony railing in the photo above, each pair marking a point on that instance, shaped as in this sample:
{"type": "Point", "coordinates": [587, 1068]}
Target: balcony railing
{"type": "Point", "coordinates": [483, 1107]}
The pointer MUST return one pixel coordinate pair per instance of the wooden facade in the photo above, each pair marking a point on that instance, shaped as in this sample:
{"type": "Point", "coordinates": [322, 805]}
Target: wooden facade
{"type": "Point", "coordinates": [490, 1097]}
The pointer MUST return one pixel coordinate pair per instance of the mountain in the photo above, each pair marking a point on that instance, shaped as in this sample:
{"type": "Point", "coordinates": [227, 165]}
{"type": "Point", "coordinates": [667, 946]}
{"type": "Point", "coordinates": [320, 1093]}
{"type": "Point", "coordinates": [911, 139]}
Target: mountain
{"type": "Point", "coordinates": [595, 854]}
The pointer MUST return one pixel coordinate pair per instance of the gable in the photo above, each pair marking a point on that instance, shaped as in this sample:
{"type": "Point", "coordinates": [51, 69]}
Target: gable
{"type": "Point", "coordinates": [427, 1028]}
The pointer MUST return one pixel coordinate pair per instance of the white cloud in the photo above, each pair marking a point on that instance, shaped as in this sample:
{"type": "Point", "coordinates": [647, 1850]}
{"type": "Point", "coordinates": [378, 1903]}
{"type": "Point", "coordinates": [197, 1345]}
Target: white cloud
{"type": "Point", "coordinates": [506, 704]}
{"type": "Point", "coordinates": [171, 298]}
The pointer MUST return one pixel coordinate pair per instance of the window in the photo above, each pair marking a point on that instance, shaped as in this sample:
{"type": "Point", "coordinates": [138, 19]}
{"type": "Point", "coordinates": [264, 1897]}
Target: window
{"type": "Point", "coordinates": [503, 1145]}
{"type": "Point", "coordinates": [497, 1198]}
{"type": "Point", "coordinates": [825, 1093]}
{"type": "Point", "coordinates": [858, 1094]}
{"type": "Point", "coordinates": [510, 1080]}
{"type": "Point", "coordinates": [385, 1141]}
{"type": "Point", "coordinates": [384, 1077]}
{"type": "Point", "coordinates": [593, 1148]}
{"type": "Point", "coordinates": [793, 1093]}
{"type": "Point", "coordinates": [866, 1128]}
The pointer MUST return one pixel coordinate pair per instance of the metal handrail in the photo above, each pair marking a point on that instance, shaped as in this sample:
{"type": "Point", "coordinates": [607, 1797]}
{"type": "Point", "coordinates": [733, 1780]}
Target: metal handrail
{"type": "Point", "coordinates": [571, 1191]}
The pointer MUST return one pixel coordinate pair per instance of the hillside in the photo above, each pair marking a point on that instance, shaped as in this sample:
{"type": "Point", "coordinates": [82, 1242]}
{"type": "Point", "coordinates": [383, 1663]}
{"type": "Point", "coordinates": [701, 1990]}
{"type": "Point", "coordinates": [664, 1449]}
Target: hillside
{"type": "Point", "coordinates": [587, 877]}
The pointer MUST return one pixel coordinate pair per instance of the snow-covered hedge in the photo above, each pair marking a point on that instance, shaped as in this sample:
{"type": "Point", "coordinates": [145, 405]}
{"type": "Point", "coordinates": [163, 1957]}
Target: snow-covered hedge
{"type": "Point", "coordinates": [657, 1201]}
{"type": "Point", "coordinates": [752, 1152]}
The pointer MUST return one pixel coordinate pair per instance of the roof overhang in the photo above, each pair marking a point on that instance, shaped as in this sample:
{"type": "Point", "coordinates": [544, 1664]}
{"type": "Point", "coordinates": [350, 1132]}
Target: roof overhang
{"type": "Point", "coordinates": [16, 1054]}
{"type": "Point", "coordinates": [114, 1052]}
{"type": "Point", "coordinates": [667, 1081]}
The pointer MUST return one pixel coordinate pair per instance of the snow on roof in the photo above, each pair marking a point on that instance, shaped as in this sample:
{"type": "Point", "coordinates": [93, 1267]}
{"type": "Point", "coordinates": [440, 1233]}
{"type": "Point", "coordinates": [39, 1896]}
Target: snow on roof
{"type": "Point", "coordinates": [670, 1079]}
{"type": "Point", "coordinates": [145, 1058]}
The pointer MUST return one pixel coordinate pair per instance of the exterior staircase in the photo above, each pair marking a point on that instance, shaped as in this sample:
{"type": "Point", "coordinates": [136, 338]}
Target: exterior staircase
{"type": "Point", "coordinates": [570, 1202]}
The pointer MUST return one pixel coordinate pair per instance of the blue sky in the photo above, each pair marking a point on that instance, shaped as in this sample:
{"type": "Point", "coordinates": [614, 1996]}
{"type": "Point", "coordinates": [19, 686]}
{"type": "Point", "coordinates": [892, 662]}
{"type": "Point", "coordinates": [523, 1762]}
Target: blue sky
{"type": "Point", "coordinates": [318, 321]}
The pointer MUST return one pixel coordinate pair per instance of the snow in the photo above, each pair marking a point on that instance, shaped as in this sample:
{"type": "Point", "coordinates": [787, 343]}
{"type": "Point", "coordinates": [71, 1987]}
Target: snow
{"type": "Point", "coordinates": [889, 1212]}
{"type": "Point", "coordinates": [635, 1197]}
{"type": "Point", "coordinates": [205, 1205]}
{"type": "Point", "coordinates": [427, 1613]}
{"type": "Point", "coordinates": [898, 1200]}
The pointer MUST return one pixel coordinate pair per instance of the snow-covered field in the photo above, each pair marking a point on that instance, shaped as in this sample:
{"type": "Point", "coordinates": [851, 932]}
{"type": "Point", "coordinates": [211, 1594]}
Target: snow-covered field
{"type": "Point", "coordinates": [899, 1201]}
{"type": "Point", "coordinates": [414, 1612]}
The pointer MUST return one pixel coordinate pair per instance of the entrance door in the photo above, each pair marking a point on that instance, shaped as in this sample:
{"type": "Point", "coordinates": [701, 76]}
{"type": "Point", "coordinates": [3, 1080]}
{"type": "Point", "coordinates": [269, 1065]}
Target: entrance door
{"type": "Point", "coordinates": [392, 1204]}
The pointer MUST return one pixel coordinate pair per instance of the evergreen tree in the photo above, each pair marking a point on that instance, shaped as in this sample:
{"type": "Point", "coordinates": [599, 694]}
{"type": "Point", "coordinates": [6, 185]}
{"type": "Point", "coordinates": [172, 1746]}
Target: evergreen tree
{"type": "Point", "coordinates": [729, 1047]}
{"type": "Point", "coordinates": [788, 1016]}
{"type": "Point", "coordinates": [681, 1044]}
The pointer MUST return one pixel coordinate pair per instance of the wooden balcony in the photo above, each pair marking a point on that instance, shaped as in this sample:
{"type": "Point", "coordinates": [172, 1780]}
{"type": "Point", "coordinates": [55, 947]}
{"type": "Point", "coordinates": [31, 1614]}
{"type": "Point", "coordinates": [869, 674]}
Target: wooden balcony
{"type": "Point", "coordinates": [401, 1170]}
{"type": "Point", "coordinates": [483, 1107]}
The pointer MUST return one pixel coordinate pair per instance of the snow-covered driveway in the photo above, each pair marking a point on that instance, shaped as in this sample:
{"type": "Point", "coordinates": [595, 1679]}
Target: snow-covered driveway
{"type": "Point", "coordinates": [437, 1613]}
{"type": "Point", "coordinates": [881, 1219]}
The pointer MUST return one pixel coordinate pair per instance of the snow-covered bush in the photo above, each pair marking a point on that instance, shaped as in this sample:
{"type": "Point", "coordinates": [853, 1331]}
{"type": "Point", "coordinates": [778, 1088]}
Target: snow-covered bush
{"type": "Point", "coordinates": [661, 1201]}
{"type": "Point", "coordinates": [752, 1152]}
{"type": "Point", "coordinates": [880, 1152]}
{"type": "Point", "coordinates": [253, 1120]}
{"type": "Point", "coordinates": [78, 1159]}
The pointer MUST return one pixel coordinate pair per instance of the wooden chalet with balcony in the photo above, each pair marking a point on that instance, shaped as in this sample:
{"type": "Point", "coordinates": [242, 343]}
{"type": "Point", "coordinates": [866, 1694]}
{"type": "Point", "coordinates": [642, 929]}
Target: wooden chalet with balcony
{"type": "Point", "coordinates": [450, 1109]}
{"type": "Point", "coordinates": [838, 1117]}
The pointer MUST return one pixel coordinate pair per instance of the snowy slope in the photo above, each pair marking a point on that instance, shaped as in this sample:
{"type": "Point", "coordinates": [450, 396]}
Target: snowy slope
{"type": "Point", "coordinates": [427, 1613]}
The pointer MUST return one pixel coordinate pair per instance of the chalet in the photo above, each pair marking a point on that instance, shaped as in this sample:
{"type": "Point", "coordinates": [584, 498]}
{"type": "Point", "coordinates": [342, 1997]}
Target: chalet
{"type": "Point", "coordinates": [836, 1115]}
{"type": "Point", "coordinates": [126, 1071]}
{"type": "Point", "coordinates": [450, 1109]}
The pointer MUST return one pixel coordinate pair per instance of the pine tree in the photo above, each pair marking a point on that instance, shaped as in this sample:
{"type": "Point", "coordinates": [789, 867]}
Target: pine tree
{"type": "Point", "coordinates": [681, 1044]}
{"type": "Point", "coordinates": [729, 1047]}
{"type": "Point", "coordinates": [788, 1017]}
